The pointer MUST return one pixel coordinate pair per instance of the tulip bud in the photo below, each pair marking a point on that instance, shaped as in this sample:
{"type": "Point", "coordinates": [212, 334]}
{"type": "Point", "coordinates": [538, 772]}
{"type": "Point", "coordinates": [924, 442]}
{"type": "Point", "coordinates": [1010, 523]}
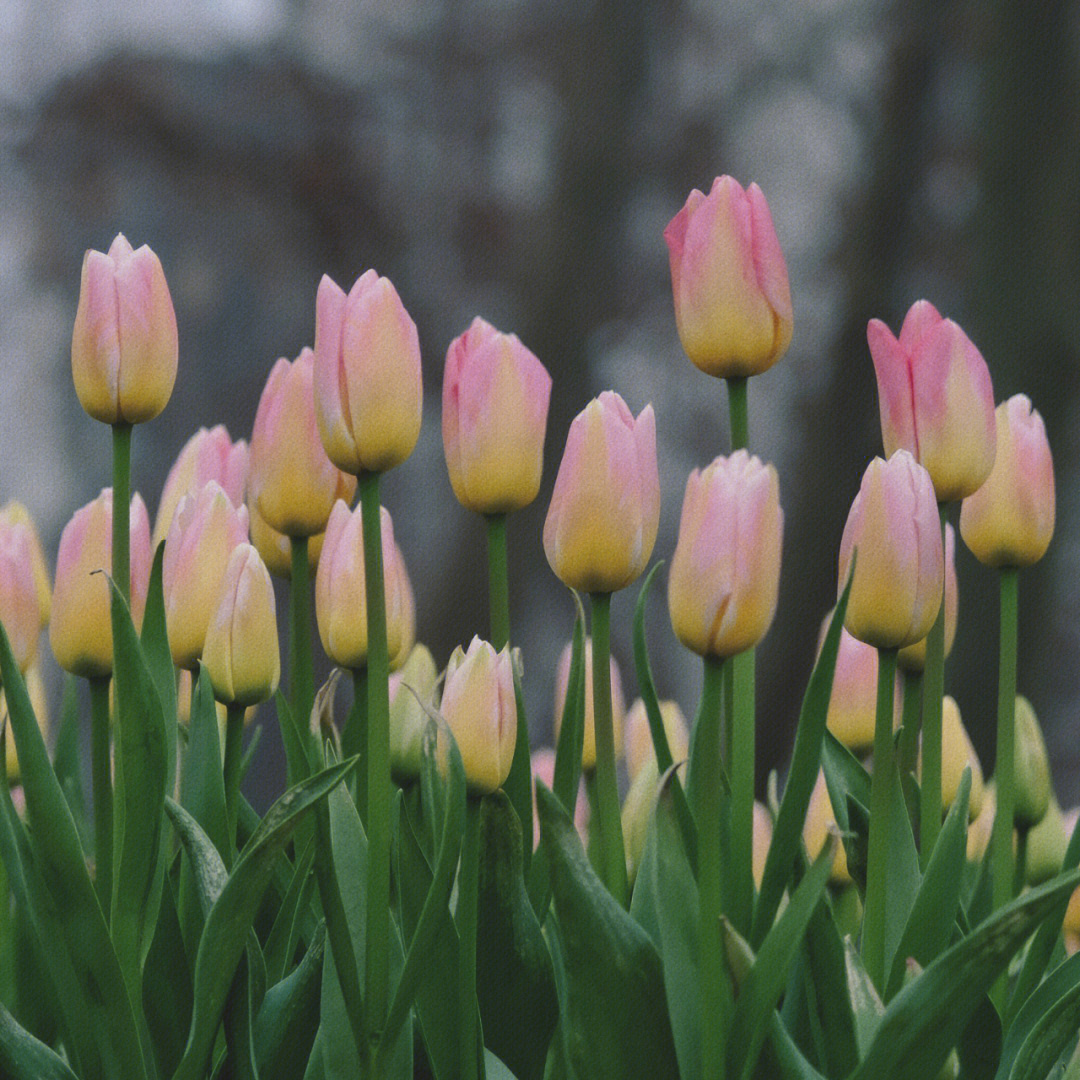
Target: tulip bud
{"type": "Point", "coordinates": [20, 611]}
{"type": "Point", "coordinates": [292, 482]}
{"type": "Point", "coordinates": [368, 390]}
{"type": "Point", "coordinates": [957, 753]}
{"type": "Point", "coordinates": [35, 689]}
{"type": "Point", "coordinates": [913, 657]}
{"type": "Point", "coordinates": [275, 549]}
{"type": "Point", "coordinates": [1046, 846]}
{"type": "Point", "coordinates": [1031, 768]}
{"type": "Point", "coordinates": [495, 406]}
{"type": "Point", "coordinates": [341, 596]}
{"type": "Point", "coordinates": [980, 830]}
{"type": "Point", "coordinates": [124, 345]}
{"type": "Point", "coordinates": [205, 529]}
{"type": "Point", "coordinates": [80, 630]}
{"type": "Point", "coordinates": [207, 455]}
{"type": "Point", "coordinates": [762, 838]}
{"type": "Point", "coordinates": [899, 573]}
{"type": "Point", "coordinates": [242, 655]}
{"type": "Point", "coordinates": [14, 513]}
{"type": "Point", "coordinates": [1009, 521]}
{"type": "Point", "coordinates": [480, 709]}
{"type": "Point", "coordinates": [819, 820]}
{"type": "Point", "coordinates": [605, 507]}
{"type": "Point", "coordinates": [732, 298]}
{"type": "Point", "coordinates": [618, 708]}
{"type": "Point", "coordinates": [411, 688]}
{"type": "Point", "coordinates": [936, 399]}
{"type": "Point", "coordinates": [639, 744]}
{"type": "Point", "coordinates": [725, 573]}
{"type": "Point", "coordinates": [636, 811]}
{"type": "Point", "coordinates": [542, 763]}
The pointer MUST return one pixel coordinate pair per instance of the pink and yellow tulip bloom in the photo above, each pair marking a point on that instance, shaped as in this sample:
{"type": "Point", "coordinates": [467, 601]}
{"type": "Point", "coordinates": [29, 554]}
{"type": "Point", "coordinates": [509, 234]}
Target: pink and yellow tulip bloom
{"type": "Point", "coordinates": [912, 658]}
{"type": "Point", "coordinates": [494, 415]}
{"type": "Point", "coordinates": [542, 764]}
{"type": "Point", "coordinates": [936, 399]}
{"type": "Point", "coordinates": [618, 708]}
{"type": "Point", "coordinates": [1010, 519]}
{"type": "Point", "coordinates": [368, 389]}
{"type": "Point", "coordinates": [412, 693]}
{"type": "Point", "coordinates": [957, 753]}
{"type": "Point", "coordinates": [725, 573]}
{"type": "Point", "coordinates": [638, 744]}
{"type": "Point", "coordinates": [275, 548]}
{"type": "Point", "coordinates": [14, 513]}
{"type": "Point", "coordinates": [730, 281]}
{"type": "Point", "coordinates": [20, 611]}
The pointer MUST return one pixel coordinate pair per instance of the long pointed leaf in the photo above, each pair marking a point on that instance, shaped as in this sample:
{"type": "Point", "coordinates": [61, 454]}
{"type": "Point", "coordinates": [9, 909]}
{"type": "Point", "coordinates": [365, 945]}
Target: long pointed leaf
{"type": "Point", "coordinates": [22, 1057]}
{"type": "Point", "coordinates": [154, 640]}
{"type": "Point", "coordinates": [1050, 1016]}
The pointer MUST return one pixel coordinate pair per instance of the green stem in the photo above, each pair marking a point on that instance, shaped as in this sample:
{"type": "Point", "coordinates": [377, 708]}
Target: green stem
{"type": "Point", "coordinates": [103, 792]}
{"type": "Point", "coordinates": [877, 863]}
{"type": "Point", "coordinates": [607, 786]}
{"type": "Point", "coordinates": [909, 729]}
{"type": "Point", "coordinates": [498, 581]}
{"type": "Point", "coordinates": [595, 847]}
{"type": "Point", "coordinates": [466, 924]}
{"type": "Point", "coordinates": [707, 810]}
{"type": "Point", "coordinates": [354, 739]}
{"type": "Point", "coordinates": [301, 669]}
{"type": "Point", "coordinates": [1001, 837]}
{"type": "Point", "coordinates": [234, 740]}
{"type": "Point", "coordinates": [738, 412]}
{"type": "Point", "coordinates": [121, 511]}
{"type": "Point", "coordinates": [1020, 870]}
{"type": "Point", "coordinates": [742, 791]}
{"type": "Point", "coordinates": [933, 689]}
{"type": "Point", "coordinates": [377, 953]}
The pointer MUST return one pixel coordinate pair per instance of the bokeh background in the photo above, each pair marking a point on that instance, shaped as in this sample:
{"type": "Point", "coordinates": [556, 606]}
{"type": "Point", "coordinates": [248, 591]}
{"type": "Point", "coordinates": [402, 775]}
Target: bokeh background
{"type": "Point", "coordinates": [519, 159]}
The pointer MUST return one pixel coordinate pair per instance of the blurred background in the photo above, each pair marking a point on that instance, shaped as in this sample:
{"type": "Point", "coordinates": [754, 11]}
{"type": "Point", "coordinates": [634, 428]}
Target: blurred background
{"type": "Point", "coordinates": [519, 159]}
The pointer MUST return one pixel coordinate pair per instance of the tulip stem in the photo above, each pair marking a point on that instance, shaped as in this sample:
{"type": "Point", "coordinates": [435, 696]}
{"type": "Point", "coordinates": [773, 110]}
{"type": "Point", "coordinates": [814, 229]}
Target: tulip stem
{"type": "Point", "coordinates": [909, 725]}
{"type": "Point", "coordinates": [498, 581]}
{"type": "Point", "coordinates": [933, 689]}
{"type": "Point", "coordinates": [708, 800]}
{"type": "Point", "coordinates": [121, 509]}
{"type": "Point", "coordinates": [607, 788]}
{"type": "Point", "coordinates": [881, 794]}
{"type": "Point", "coordinates": [377, 954]}
{"type": "Point", "coordinates": [301, 672]}
{"type": "Point", "coordinates": [738, 412]}
{"type": "Point", "coordinates": [468, 891]}
{"type": "Point", "coordinates": [354, 739]}
{"type": "Point", "coordinates": [742, 773]}
{"type": "Point", "coordinates": [234, 745]}
{"type": "Point", "coordinates": [103, 793]}
{"type": "Point", "coordinates": [1004, 768]}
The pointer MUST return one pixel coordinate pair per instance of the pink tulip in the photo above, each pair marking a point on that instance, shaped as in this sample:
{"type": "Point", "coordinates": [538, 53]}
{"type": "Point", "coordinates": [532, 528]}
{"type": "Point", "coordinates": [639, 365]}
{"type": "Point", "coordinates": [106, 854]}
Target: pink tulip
{"type": "Point", "coordinates": [293, 484]}
{"type": "Point", "coordinates": [495, 406]}
{"type": "Point", "coordinates": [14, 513]}
{"type": "Point", "coordinates": [913, 657]}
{"type": "Point", "coordinates": [899, 573]}
{"type": "Point", "coordinates": [936, 399]}
{"type": "Point", "coordinates": [638, 743]}
{"type": "Point", "coordinates": [618, 706]}
{"type": "Point", "coordinates": [368, 389]}
{"type": "Point", "coordinates": [732, 298]}
{"type": "Point", "coordinates": [124, 345]}
{"type": "Point", "coordinates": [19, 610]}
{"type": "Point", "coordinates": [605, 507]}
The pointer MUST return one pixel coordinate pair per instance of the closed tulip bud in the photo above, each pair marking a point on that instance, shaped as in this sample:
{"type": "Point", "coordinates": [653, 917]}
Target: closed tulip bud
{"type": "Point", "coordinates": [725, 573]}
{"type": "Point", "coordinates": [732, 298]}
{"type": "Point", "coordinates": [636, 811]}
{"type": "Point", "coordinates": [412, 687]}
{"type": "Point", "coordinates": [605, 507]}
{"type": "Point", "coordinates": [1046, 847]}
{"type": "Point", "coordinates": [1009, 521]}
{"type": "Point", "coordinates": [80, 630]}
{"type": "Point", "coordinates": [368, 390]}
{"type": "Point", "coordinates": [292, 482]}
{"type": "Point", "coordinates": [936, 399]}
{"type": "Point", "coordinates": [341, 596]}
{"type": "Point", "coordinates": [14, 513]}
{"type": "Point", "coordinates": [763, 826]}
{"type": "Point", "coordinates": [205, 529]}
{"type": "Point", "coordinates": [618, 708]}
{"type": "Point", "coordinates": [913, 657]}
{"type": "Point", "coordinates": [480, 709]}
{"type": "Point", "coordinates": [495, 407]}
{"type": "Point", "coordinates": [979, 830]}
{"type": "Point", "coordinates": [819, 820]}
{"type": "Point", "coordinates": [899, 573]}
{"type": "Point", "coordinates": [207, 455]}
{"type": "Point", "coordinates": [124, 345]}
{"type": "Point", "coordinates": [275, 549]}
{"type": "Point", "coordinates": [1031, 768]}
{"type": "Point", "coordinates": [19, 606]}
{"type": "Point", "coordinates": [957, 753]}
{"type": "Point", "coordinates": [542, 762]}
{"type": "Point", "coordinates": [242, 655]}
{"type": "Point", "coordinates": [35, 689]}
{"type": "Point", "coordinates": [639, 744]}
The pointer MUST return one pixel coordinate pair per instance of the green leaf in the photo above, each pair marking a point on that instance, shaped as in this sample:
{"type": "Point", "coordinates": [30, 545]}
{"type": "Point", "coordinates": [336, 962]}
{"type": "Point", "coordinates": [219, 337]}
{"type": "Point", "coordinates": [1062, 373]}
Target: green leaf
{"type": "Point", "coordinates": [67, 760]}
{"type": "Point", "coordinates": [925, 1020]}
{"type": "Point", "coordinates": [281, 944]}
{"type": "Point", "coordinates": [208, 869]}
{"type": "Point", "coordinates": [608, 1035]}
{"type": "Point", "coordinates": [167, 993]}
{"type": "Point", "coordinates": [155, 649]}
{"type": "Point", "coordinates": [22, 1057]}
{"type": "Point", "coordinates": [59, 859]}
{"type": "Point", "coordinates": [786, 842]}
{"type": "Point", "coordinates": [225, 933]}
{"type": "Point", "coordinates": [1042, 1028]}
{"type": "Point", "coordinates": [514, 979]}
{"type": "Point", "coordinates": [979, 1048]}
{"type": "Point", "coordinates": [297, 761]}
{"type": "Point", "coordinates": [518, 786]}
{"type": "Point", "coordinates": [495, 1069]}
{"type": "Point", "coordinates": [866, 1005]}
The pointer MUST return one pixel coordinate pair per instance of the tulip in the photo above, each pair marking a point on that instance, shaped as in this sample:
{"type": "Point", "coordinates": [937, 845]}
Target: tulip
{"type": "Point", "coordinates": [80, 630]}
{"type": "Point", "coordinates": [292, 482]}
{"type": "Point", "coordinates": [913, 657]}
{"type": "Point", "coordinates": [368, 390]}
{"type": "Point", "coordinates": [241, 652]}
{"type": "Point", "coordinates": [979, 830]}
{"type": "Point", "coordinates": [957, 753]}
{"type": "Point", "coordinates": [542, 763]}
{"type": "Point", "coordinates": [1047, 843]}
{"type": "Point", "coordinates": [14, 513]}
{"type": "Point", "coordinates": [732, 299]}
{"type": "Point", "coordinates": [639, 745]}
{"type": "Point", "coordinates": [618, 709]}
{"type": "Point", "coordinates": [725, 573]}
{"type": "Point", "coordinates": [480, 709]}
{"type": "Point", "coordinates": [936, 399]}
{"type": "Point", "coordinates": [411, 688]}
{"type": "Point", "coordinates": [274, 548]}
{"type": "Point", "coordinates": [204, 531]}
{"type": "Point", "coordinates": [636, 811]}
{"type": "Point", "coordinates": [35, 689]}
{"type": "Point", "coordinates": [819, 819]}
{"type": "Point", "coordinates": [899, 573]}
{"type": "Point", "coordinates": [763, 826]}
{"type": "Point", "coordinates": [340, 596]}
{"type": "Point", "coordinates": [495, 406]}
{"type": "Point", "coordinates": [19, 605]}
{"type": "Point", "coordinates": [207, 455]}
{"type": "Point", "coordinates": [1031, 768]}
{"type": "Point", "coordinates": [1010, 519]}
{"type": "Point", "coordinates": [605, 507]}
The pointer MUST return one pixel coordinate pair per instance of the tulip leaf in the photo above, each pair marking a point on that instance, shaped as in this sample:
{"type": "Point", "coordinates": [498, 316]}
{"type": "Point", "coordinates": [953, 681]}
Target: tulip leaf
{"type": "Point", "coordinates": [59, 860]}
{"type": "Point", "coordinates": [786, 842]}
{"type": "Point", "coordinates": [495, 1069]}
{"type": "Point", "coordinates": [298, 758]}
{"type": "Point", "coordinates": [979, 1048]}
{"type": "Point", "coordinates": [22, 1057]}
{"type": "Point", "coordinates": [154, 640]}
{"type": "Point", "coordinates": [518, 785]}
{"type": "Point", "coordinates": [866, 1004]}
{"type": "Point", "coordinates": [68, 758]}
{"type": "Point", "coordinates": [285, 933]}
{"type": "Point", "coordinates": [224, 936]}
{"type": "Point", "coordinates": [207, 867]}
{"type": "Point", "coordinates": [1048, 1019]}
{"type": "Point", "coordinates": [925, 1020]}
{"type": "Point", "coordinates": [608, 1035]}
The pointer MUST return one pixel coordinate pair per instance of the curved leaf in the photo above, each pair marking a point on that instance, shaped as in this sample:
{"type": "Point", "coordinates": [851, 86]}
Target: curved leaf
{"type": "Point", "coordinates": [22, 1057]}
{"type": "Point", "coordinates": [1049, 1018]}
